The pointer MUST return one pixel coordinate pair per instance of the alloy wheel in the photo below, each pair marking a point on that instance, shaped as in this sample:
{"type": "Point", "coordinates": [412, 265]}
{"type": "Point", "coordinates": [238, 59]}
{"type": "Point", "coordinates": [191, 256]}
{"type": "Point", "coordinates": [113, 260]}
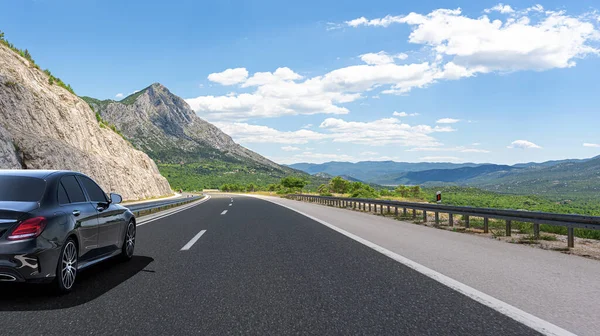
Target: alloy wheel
{"type": "Point", "coordinates": [130, 239]}
{"type": "Point", "coordinates": [69, 265]}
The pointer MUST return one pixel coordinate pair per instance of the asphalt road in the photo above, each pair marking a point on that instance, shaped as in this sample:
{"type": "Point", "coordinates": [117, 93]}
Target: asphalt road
{"type": "Point", "coordinates": [258, 268]}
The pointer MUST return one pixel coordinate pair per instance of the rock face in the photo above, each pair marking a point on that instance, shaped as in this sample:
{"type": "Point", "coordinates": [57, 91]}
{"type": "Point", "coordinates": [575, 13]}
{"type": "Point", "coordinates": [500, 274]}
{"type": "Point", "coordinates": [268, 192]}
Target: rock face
{"type": "Point", "coordinates": [164, 126]}
{"type": "Point", "coordinates": [43, 126]}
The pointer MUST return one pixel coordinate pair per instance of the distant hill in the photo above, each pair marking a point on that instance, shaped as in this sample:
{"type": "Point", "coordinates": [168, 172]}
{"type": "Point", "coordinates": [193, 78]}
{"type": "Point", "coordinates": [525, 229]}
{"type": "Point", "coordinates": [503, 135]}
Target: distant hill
{"type": "Point", "coordinates": [547, 163]}
{"type": "Point", "coordinates": [563, 180]}
{"type": "Point", "coordinates": [450, 176]}
{"type": "Point", "coordinates": [372, 171]}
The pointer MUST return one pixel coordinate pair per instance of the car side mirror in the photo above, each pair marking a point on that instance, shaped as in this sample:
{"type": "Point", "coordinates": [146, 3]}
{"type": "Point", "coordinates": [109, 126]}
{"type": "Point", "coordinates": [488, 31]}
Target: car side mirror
{"type": "Point", "coordinates": [115, 198]}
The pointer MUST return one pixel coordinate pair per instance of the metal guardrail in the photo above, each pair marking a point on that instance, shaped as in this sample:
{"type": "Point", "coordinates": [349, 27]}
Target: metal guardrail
{"type": "Point", "coordinates": [151, 207]}
{"type": "Point", "coordinates": [536, 218]}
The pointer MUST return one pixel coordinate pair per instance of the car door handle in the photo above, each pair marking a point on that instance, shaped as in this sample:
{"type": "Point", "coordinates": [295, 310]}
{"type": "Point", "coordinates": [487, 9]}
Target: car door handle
{"type": "Point", "coordinates": [76, 213]}
{"type": "Point", "coordinates": [100, 208]}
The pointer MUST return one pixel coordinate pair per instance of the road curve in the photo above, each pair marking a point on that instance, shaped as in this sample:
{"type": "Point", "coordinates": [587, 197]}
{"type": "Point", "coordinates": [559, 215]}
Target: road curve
{"type": "Point", "coordinates": [256, 268]}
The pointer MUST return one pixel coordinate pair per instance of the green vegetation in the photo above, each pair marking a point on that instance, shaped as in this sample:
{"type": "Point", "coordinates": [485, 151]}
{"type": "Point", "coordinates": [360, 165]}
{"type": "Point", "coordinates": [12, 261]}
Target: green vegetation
{"type": "Point", "coordinates": [129, 100]}
{"type": "Point", "coordinates": [214, 172]}
{"type": "Point", "coordinates": [105, 124]}
{"type": "Point", "coordinates": [467, 196]}
{"type": "Point", "coordinates": [25, 54]}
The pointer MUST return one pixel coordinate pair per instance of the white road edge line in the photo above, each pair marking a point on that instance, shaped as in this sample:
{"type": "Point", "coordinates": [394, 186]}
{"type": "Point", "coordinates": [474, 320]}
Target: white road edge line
{"type": "Point", "coordinates": [230, 204]}
{"type": "Point", "coordinates": [542, 326]}
{"type": "Point", "coordinates": [193, 241]}
{"type": "Point", "coordinates": [224, 212]}
{"type": "Point", "coordinates": [142, 222]}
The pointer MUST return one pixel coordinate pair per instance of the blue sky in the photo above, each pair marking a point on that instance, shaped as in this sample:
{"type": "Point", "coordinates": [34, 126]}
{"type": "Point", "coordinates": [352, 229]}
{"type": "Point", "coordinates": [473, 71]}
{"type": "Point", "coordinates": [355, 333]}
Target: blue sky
{"type": "Point", "coordinates": [465, 88]}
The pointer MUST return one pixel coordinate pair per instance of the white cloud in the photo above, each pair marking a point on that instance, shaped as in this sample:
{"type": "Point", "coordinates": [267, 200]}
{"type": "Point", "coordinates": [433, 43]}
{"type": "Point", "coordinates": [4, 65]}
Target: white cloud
{"type": "Point", "coordinates": [280, 75]}
{"type": "Point", "coordinates": [381, 58]}
{"type": "Point", "coordinates": [382, 132]}
{"type": "Point", "coordinates": [502, 8]}
{"type": "Point", "coordinates": [374, 133]}
{"type": "Point", "coordinates": [591, 145]}
{"type": "Point", "coordinates": [475, 144]}
{"type": "Point", "coordinates": [440, 159]}
{"type": "Point", "coordinates": [119, 95]}
{"type": "Point", "coordinates": [247, 133]}
{"type": "Point", "coordinates": [323, 157]}
{"type": "Point", "coordinates": [523, 144]}
{"type": "Point", "coordinates": [307, 126]}
{"type": "Point", "coordinates": [368, 153]}
{"type": "Point", "coordinates": [229, 76]}
{"type": "Point", "coordinates": [382, 22]}
{"type": "Point", "coordinates": [447, 121]}
{"type": "Point", "coordinates": [321, 94]}
{"type": "Point", "coordinates": [290, 148]}
{"type": "Point", "coordinates": [482, 45]}
{"type": "Point", "coordinates": [404, 114]}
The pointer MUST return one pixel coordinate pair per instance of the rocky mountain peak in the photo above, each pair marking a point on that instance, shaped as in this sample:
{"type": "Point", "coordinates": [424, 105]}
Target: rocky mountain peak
{"type": "Point", "coordinates": [164, 126]}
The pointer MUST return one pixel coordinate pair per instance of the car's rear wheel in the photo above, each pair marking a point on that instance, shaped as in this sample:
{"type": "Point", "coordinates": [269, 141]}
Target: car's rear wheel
{"type": "Point", "coordinates": [66, 272]}
{"type": "Point", "coordinates": [129, 243]}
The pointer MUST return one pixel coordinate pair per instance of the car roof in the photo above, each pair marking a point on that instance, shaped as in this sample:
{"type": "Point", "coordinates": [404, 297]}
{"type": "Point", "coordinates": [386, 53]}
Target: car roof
{"type": "Point", "coordinates": [35, 173]}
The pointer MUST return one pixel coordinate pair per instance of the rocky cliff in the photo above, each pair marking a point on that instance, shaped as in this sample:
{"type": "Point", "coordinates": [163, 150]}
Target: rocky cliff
{"type": "Point", "coordinates": [44, 126]}
{"type": "Point", "coordinates": [166, 128]}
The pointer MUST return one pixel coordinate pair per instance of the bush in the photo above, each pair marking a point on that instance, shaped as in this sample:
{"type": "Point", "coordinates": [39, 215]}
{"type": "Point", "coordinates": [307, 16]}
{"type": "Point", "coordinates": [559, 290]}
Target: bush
{"type": "Point", "coordinates": [365, 191]}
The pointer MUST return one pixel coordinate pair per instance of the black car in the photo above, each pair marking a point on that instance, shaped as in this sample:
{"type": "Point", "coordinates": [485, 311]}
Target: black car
{"type": "Point", "coordinates": [55, 223]}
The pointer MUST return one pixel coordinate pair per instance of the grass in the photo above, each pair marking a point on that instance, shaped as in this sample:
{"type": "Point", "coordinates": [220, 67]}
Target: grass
{"type": "Point", "coordinates": [26, 55]}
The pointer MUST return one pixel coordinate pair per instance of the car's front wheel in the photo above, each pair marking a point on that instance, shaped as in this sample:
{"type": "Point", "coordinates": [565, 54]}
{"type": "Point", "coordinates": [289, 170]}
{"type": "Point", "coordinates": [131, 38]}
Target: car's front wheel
{"type": "Point", "coordinates": [129, 243]}
{"type": "Point", "coordinates": [66, 271]}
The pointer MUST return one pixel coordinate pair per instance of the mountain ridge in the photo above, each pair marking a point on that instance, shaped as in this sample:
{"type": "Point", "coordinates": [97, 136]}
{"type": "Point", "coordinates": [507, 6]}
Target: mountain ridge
{"type": "Point", "coordinates": [191, 152]}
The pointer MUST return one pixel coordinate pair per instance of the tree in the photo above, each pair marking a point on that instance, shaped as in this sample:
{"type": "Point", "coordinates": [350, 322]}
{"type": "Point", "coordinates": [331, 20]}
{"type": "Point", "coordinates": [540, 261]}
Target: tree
{"type": "Point", "coordinates": [402, 190]}
{"type": "Point", "coordinates": [293, 182]}
{"type": "Point", "coordinates": [354, 186]}
{"type": "Point", "coordinates": [251, 187]}
{"type": "Point", "coordinates": [323, 189]}
{"type": "Point", "coordinates": [339, 185]}
{"type": "Point", "coordinates": [385, 192]}
{"type": "Point", "coordinates": [365, 191]}
{"type": "Point", "coordinates": [415, 191]}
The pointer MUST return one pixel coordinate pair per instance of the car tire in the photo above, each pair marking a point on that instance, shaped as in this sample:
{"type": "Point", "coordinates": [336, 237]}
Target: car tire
{"type": "Point", "coordinates": [66, 269]}
{"type": "Point", "coordinates": [129, 242]}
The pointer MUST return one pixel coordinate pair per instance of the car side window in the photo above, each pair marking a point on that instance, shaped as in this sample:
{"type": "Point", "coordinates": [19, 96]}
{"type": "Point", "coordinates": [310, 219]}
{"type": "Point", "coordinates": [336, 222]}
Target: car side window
{"type": "Point", "coordinates": [94, 191]}
{"type": "Point", "coordinates": [73, 189]}
{"type": "Point", "coordinates": [62, 194]}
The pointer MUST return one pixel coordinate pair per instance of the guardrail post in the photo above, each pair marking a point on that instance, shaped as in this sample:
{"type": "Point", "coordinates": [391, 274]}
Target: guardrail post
{"type": "Point", "coordinates": [536, 230]}
{"type": "Point", "coordinates": [424, 216]}
{"type": "Point", "coordinates": [396, 212]}
{"type": "Point", "coordinates": [404, 212]}
{"type": "Point", "coordinates": [369, 207]}
{"type": "Point", "coordinates": [414, 213]}
{"type": "Point", "coordinates": [451, 219]}
{"type": "Point", "coordinates": [508, 228]}
{"type": "Point", "coordinates": [467, 222]}
{"type": "Point", "coordinates": [485, 225]}
{"type": "Point", "coordinates": [381, 209]}
{"type": "Point", "coordinates": [570, 237]}
{"type": "Point", "coordinates": [437, 218]}
{"type": "Point", "coordinates": [354, 205]}
{"type": "Point", "coordinates": [388, 209]}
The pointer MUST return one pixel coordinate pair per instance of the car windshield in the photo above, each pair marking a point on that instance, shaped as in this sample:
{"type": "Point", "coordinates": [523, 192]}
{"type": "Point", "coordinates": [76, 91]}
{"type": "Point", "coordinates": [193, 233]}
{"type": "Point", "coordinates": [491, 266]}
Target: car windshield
{"type": "Point", "coordinates": [21, 189]}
